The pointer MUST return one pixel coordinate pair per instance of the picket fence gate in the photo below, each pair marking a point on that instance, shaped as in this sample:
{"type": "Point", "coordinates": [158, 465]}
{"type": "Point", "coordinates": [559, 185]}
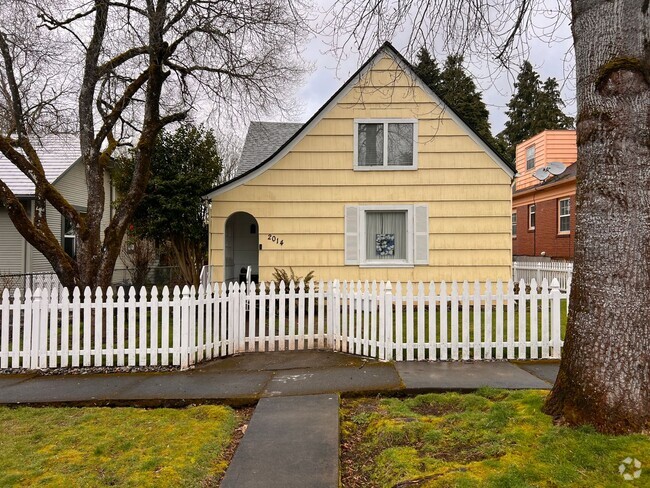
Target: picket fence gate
{"type": "Point", "coordinates": [378, 320]}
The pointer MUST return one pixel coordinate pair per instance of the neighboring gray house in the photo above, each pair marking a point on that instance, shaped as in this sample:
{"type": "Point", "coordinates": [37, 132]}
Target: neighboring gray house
{"type": "Point", "coordinates": [60, 157]}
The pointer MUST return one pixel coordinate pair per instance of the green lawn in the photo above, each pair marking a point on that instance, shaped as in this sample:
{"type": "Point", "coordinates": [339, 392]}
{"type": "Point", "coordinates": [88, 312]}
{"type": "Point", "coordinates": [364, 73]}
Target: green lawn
{"type": "Point", "coordinates": [491, 438]}
{"type": "Point", "coordinates": [71, 447]}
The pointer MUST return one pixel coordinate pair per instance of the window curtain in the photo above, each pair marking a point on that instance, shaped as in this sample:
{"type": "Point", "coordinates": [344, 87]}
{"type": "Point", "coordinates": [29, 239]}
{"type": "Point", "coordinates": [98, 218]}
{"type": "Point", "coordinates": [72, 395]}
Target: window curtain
{"type": "Point", "coordinates": [371, 145]}
{"type": "Point", "coordinates": [386, 235]}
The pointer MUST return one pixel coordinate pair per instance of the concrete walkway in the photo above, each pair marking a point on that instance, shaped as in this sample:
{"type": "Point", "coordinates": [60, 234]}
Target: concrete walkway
{"type": "Point", "coordinates": [290, 442]}
{"type": "Point", "coordinates": [245, 379]}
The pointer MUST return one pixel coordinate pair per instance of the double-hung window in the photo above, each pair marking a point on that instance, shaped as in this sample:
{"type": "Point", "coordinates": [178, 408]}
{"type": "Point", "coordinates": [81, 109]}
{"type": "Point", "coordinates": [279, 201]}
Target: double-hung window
{"type": "Point", "coordinates": [564, 216]}
{"type": "Point", "coordinates": [514, 224]}
{"type": "Point", "coordinates": [530, 157]}
{"type": "Point", "coordinates": [385, 144]}
{"type": "Point", "coordinates": [531, 217]}
{"type": "Point", "coordinates": [387, 235]}
{"type": "Point", "coordinates": [69, 238]}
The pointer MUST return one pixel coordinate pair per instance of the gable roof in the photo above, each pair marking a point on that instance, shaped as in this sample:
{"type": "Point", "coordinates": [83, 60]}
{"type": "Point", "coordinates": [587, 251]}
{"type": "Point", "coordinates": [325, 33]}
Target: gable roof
{"type": "Point", "coordinates": [58, 154]}
{"type": "Point", "coordinates": [263, 139]}
{"type": "Point", "coordinates": [386, 48]}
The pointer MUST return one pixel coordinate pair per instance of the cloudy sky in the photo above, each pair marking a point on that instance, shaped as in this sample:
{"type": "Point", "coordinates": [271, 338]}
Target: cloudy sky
{"type": "Point", "coordinates": [550, 57]}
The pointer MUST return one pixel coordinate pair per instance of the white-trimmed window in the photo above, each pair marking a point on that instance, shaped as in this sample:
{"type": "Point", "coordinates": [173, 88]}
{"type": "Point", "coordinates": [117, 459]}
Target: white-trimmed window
{"type": "Point", "coordinates": [530, 157]}
{"type": "Point", "coordinates": [69, 239]}
{"type": "Point", "coordinates": [388, 144]}
{"type": "Point", "coordinates": [386, 235]}
{"type": "Point", "coordinates": [531, 217]}
{"type": "Point", "coordinates": [514, 224]}
{"type": "Point", "coordinates": [564, 216]}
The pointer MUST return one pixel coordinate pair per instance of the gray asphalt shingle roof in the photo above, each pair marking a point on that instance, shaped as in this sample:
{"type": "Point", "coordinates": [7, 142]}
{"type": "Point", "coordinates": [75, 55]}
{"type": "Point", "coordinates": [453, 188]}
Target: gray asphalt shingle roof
{"type": "Point", "coordinates": [262, 140]}
{"type": "Point", "coordinates": [57, 154]}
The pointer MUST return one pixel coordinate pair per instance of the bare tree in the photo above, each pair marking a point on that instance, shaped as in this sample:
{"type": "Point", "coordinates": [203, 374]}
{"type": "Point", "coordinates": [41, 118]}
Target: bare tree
{"type": "Point", "coordinates": [604, 376]}
{"type": "Point", "coordinates": [133, 67]}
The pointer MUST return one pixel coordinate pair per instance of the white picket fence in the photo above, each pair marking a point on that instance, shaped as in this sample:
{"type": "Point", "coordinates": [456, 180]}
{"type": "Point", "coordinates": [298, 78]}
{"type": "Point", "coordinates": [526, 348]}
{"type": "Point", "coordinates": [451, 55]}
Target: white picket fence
{"type": "Point", "coordinates": [378, 320]}
{"type": "Point", "coordinates": [549, 270]}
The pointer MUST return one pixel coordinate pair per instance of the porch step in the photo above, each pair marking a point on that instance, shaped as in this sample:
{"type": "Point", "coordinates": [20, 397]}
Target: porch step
{"type": "Point", "coordinates": [290, 442]}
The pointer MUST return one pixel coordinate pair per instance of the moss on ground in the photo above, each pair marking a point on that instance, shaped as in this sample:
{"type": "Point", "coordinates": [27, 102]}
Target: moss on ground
{"type": "Point", "coordinates": [71, 447]}
{"type": "Point", "coordinates": [490, 438]}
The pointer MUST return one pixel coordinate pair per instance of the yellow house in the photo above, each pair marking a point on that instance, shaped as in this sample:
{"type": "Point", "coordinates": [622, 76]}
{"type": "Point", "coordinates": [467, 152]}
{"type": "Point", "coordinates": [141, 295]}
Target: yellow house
{"type": "Point", "coordinates": [384, 182]}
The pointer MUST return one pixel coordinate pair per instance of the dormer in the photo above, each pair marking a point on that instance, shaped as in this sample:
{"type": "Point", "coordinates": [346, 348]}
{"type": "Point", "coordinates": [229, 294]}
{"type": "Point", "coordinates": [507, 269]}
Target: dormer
{"type": "Point", "coordinates": [541, 149]}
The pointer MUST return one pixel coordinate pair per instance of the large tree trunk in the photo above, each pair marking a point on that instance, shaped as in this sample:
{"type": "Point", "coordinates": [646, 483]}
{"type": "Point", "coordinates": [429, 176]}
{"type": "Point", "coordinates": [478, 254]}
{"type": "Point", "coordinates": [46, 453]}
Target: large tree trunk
{"type": "Point", "coordinates": [604, 377]}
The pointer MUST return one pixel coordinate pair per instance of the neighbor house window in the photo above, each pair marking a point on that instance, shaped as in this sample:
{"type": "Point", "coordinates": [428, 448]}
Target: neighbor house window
{"type": "Point", "coordinates": [69, 239]}
{"type": "Point", "coordinates": [530, 157]}
{"type": "Point", "coordinates": [531, 216]}
{"type": "Point", "coordinates": [564, 207]}
{"type": "Point", "coordinates": [514, 224]}
{"type": "Point", "coordinates": [387, 144]}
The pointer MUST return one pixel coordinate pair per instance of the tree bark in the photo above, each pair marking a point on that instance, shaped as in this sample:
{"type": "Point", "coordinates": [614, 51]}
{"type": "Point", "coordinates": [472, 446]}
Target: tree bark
{"type": "Point", "coordinates": [604, 377]}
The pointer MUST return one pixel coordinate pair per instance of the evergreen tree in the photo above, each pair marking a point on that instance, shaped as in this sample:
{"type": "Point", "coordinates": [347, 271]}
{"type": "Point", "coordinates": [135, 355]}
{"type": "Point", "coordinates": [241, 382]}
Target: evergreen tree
{"type": "Point", "coordinates": [532, 109]}
{"type": "Point", "coordinates": [459, 91]}
{"type": "Point", "coordinates": [427, 69]}
{"type": "Point", "coordinates": [457, 88]}
{"type": "Point", "coordinates": [550, 106]}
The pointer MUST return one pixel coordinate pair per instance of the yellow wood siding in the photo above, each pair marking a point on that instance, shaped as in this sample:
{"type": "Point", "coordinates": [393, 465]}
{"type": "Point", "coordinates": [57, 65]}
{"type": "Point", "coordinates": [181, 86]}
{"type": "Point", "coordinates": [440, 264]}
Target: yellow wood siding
{"type": "Point", "coordinates": [302, 197]}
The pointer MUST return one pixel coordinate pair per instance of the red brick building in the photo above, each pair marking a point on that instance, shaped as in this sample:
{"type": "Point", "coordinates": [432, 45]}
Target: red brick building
{"type": "Point", "coordinates": [543, 213]}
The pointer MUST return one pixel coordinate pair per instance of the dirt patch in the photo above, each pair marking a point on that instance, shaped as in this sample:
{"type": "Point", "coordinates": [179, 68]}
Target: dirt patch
{"type": "Point", "coordinates": [353, 454]}
{"type": "Point", "coordinates": [243, 416]}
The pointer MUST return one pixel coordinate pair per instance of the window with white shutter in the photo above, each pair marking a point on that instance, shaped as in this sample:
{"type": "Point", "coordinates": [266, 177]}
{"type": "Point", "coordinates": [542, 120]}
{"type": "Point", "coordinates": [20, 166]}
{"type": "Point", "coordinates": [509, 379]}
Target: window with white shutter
{"type": "Point", "coordinates": [387, 235]}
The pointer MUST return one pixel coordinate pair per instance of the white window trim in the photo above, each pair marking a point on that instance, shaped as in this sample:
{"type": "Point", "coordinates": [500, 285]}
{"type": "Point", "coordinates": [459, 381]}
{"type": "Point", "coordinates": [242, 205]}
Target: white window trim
{"type": "Point", "coordinates": [513, 221]}
{"type": "Point", "coordinates": [534, 155]}
{"type": "Point", "coordinates": [559, 216]}
{"type": "Point", "coordinates": [530, 207]}
{"type": "Point", "coordinates": [410, 230]}
{"type": "Point", "coordinates": [385, 166]}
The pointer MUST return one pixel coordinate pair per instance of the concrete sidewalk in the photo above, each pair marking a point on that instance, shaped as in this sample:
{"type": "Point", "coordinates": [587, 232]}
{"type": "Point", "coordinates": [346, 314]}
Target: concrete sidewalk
{"type": "Point", "coordinates": [244, 379]}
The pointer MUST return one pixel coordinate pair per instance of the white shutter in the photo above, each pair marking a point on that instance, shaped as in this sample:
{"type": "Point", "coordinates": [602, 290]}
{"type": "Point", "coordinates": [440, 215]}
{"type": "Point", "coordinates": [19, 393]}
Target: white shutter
{"type": "Point", "coordinates": [351, 234]}
{"type": "Point", "coordinates": [421, 237]}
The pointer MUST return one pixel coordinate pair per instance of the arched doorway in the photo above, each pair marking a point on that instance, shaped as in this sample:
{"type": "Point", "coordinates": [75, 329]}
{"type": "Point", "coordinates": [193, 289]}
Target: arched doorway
{"type": "Point", "coordinates": [241, 246]}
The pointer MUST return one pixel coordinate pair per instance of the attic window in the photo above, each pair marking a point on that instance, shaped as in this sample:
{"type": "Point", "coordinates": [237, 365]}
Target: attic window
{"type": "Point", "coordinates": [530, 157]}
{"type": "Point", "coordinates": [385, 144]}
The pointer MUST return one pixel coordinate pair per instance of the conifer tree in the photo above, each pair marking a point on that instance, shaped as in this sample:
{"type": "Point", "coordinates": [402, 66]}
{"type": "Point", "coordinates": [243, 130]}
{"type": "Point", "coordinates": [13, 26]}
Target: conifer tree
{"type": "Point", "coordinates": [457, 88]}
{"type": "Point", "coordinates": [533, 108]}
{"type": "Point", "coordinates": [427, 69]}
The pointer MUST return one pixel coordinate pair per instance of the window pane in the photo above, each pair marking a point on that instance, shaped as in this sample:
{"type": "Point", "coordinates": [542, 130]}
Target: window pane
{"type": "Point", "coordinates": [565, 215]}
{"type": "Point", "coordinates": [68, 246]}
{"type": "Point", "coordinates": [386, 235]}
{"type": "Point", "coordinates": [530, 157]}
{"type": "Point", "coordinates": [514, 224]}
{"type": "Point", "coordinates": [371, 145]}
{"type": "Point", "coordinates": [531, 216]}
{"type": "Point", "coordinates": [400, 144]}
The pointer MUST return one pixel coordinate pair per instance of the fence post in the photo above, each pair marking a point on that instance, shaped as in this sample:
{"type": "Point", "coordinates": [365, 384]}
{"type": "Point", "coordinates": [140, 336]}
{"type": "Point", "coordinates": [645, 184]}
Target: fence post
{"type": "Point", "coordinates": [388, 322]}
{"type": "Point", "coordinates": [185, 328]}
{"type": "Point", "coordinates": [538, 274]}
{"type": "Point", "coordinates": [35, 329]}
{"type": "Point", "coordinates": [556, 339]}
{"type": "Point", "coordinates": [515, 267]}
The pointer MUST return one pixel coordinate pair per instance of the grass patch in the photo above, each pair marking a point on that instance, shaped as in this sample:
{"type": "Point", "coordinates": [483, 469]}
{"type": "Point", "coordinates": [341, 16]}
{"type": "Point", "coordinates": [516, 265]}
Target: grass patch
{"type": "Point", "coordinates": [115, 446]}
{"type": "Point", "coordinates": [491, 438]}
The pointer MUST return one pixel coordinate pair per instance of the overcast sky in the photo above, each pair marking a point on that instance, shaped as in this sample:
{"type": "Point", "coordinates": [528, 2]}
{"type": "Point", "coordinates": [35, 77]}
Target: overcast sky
{"type": "Point", "coordinates": [550, 59]}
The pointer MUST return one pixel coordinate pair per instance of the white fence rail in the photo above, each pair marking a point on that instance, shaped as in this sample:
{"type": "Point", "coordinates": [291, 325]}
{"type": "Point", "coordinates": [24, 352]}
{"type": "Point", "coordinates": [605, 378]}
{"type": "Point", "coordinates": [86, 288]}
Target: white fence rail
{"type": "Point", "coordinates": [549, 270]}
{"type": "Point", "coordinates": [379, 320]}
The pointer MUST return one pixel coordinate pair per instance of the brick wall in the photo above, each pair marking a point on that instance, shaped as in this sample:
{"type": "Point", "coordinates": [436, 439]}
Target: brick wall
{"type": "Point", "coordinates": [545, 238]}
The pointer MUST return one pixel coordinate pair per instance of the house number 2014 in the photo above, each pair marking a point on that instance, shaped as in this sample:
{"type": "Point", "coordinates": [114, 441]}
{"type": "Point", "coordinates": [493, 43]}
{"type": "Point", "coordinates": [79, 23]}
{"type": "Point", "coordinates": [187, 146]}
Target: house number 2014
{"type": "Point", "coordinates": [276, 239]}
